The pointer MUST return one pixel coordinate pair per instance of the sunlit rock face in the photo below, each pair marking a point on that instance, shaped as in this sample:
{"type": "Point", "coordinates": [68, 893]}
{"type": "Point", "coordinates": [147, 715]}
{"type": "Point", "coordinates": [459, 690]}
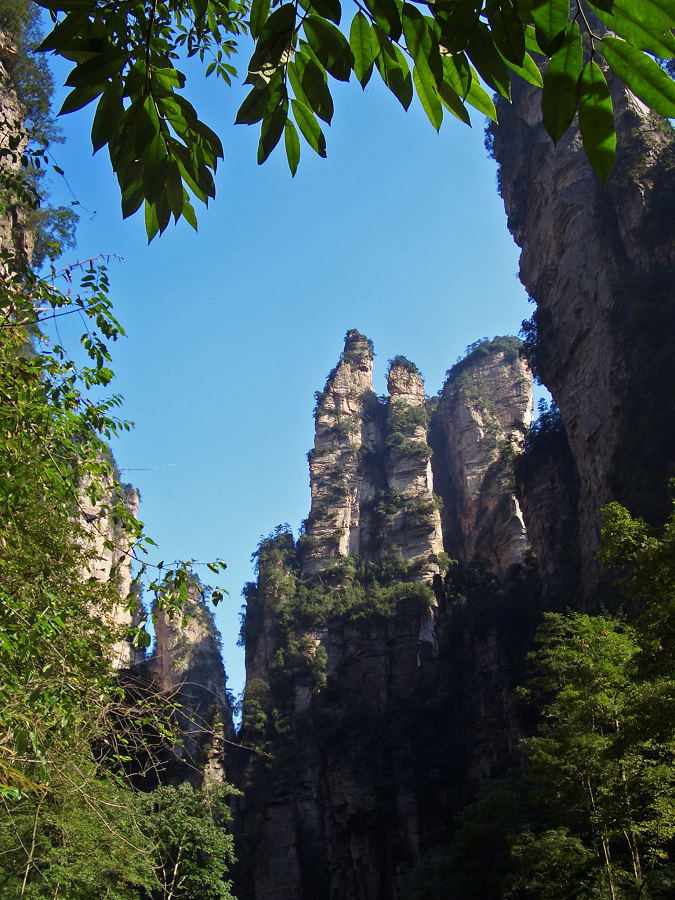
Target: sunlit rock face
{"type": "Point", "coordinates": [599, 261]}
{"type": "Point", "coordinates": [357, 700]}
{"type": "Point", "coordinates": [346, 418]}
{"type": "Point", "coordinates": [483, 415]}
{"type": "Point", "coordinates": [15, 238]}
{"type": "Point", "coordinates": [370, 475]}
{"type": "Point", "coordinates": [109, 550]}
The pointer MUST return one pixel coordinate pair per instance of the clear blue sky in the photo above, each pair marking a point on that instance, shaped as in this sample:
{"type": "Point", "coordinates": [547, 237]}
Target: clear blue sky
{"type": "Point", "coordinates": [399, 233]}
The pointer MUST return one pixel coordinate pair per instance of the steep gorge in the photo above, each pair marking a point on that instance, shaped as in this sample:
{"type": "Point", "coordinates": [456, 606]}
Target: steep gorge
{"type": "Point", "coordinates": [384, 644]}
{"type": "Point", "coordinates": [375, 700]}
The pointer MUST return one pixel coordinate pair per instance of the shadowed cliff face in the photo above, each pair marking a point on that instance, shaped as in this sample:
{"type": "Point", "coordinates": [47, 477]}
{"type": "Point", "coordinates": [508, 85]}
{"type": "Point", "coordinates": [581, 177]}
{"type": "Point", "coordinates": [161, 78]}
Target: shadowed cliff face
{"type": "Point", "coordinates": [358, 745]}
{"type": "Point", "coordinates": [599, 261]}
{"type": "Point", "coordinates": [187, 665]}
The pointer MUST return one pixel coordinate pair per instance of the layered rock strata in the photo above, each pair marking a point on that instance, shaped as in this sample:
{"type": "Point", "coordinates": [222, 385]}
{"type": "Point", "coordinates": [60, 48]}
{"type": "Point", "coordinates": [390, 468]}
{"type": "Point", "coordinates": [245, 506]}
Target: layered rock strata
{"type": "Point", "coordinates": [15, 238]}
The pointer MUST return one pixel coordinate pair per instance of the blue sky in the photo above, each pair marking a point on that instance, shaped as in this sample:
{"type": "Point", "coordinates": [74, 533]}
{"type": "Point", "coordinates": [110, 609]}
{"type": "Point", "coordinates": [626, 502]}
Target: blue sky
{"type": "Point", "coordinates": [399, 233]}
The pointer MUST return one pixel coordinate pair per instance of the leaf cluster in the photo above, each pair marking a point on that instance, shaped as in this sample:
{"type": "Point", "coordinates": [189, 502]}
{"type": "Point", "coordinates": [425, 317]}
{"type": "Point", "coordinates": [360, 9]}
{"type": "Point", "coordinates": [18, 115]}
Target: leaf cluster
{"type": "Point", "coordinates": [447, 54]}
{"type": "Point", "coordinates": [124, 57]}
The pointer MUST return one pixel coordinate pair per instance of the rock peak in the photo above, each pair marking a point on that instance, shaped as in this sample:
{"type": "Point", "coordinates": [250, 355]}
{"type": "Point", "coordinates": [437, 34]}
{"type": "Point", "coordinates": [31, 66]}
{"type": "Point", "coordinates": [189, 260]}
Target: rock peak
{"type": "Point", "coordinates": [358, 352]}
{"type": "Point", "coordinates": [405, 382]}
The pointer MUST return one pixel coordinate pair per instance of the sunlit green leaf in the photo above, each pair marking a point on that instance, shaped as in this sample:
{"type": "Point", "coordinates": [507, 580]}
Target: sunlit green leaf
{"type": "Point", "coordinates": [596, 119]}
{"type": "Point", "coordinates": [309, 127]}
{"type": "Point", "coordinates": [364, 47]}
{"type": "Point", "coordinates": [642, 75]}
{"type": "Point", "coordinates": [550, 19]}
{"type": "Point", "coordinates": [292, 143]}
{"type": "Point", "coordinates": [428, 94]}
{"type": "Point", "coordinates": [560, 95]}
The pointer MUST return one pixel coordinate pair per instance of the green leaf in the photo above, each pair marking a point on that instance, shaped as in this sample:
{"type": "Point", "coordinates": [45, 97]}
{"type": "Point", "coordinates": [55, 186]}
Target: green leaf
{"type": "Point", "coordinates": [330, 46]}
{"type": "Point", "coordinates": [453, 102]}
{"type": "Point", "coordinates": [480, 99]}
{"type": "Point", "coordinates": [394, 70]}
{"type": "Point", "coordinates": [364, 47]}
{"type": "Point", "coordinates": [428, 94]}
{"type": "Point", "coordinates": [258, 16]}
{"type": "Point", "coordinates": [329, 9]}
{"type": "Point", "coordinates": [421, 42]}
{"type": "Point", "coordinates": [96, 70]}
{"type": "Point", "coordinates": [487, 59]}
{"type": "Point", "coordinates": [109, 114]}
{"type": "Point", "coordinates": [457, 73]}
{"type": "Point", "coordinates": [596, 119]}
{"type": "Point", "coordinates": [507, 30]}
{"type": "Point", "coordinates": [457, 22]}
{"type": "Point", "coordinates": [643, 76]}
{"type": "Point", "coordinates": [132, 191]}
{"type": "Point", "coordinates": [271, 131]}
{"type": "Point", "coordinates": [188, 212]}
{"type": "Point", "coordinates": [151, 222]}
{"type": "Point", "coordinates": [308, 81]}
{"type": "Point", "coordinates": [254, 106]}
{"type": "Point", "coordinates": [386, 14]}
{"type": "Point", "coordinates": [175, 194]}
{"type": "Point", "coordinates": [80, 97]}
{"type": "Point", "coordinates": [529, 71]}
{"type": "Point", "coordinates": [642, 23]}
{"type": "Point", "coordinates": [550, 19]}
{"type": "Point", "coordinates": [531, 42]}
{"type": "Point", "coordinates": [292, 143]}
{"type": "Point", "coordinates": [275, 39]}
{"type": "Point", "coordinates": [309, 127]}
{"type": "Point", "coordinates": [559, 97]}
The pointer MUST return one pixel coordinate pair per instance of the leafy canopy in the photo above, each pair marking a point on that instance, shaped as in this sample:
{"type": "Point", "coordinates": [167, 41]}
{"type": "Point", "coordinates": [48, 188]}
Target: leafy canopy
{"type": "Point", "coordinates": [125, 58]}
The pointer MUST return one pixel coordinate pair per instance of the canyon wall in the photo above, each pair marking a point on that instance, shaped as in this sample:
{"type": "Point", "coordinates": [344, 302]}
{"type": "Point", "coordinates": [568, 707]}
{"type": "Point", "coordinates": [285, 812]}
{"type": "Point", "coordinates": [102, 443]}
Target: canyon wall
{"type": "Point", "coordinates": [384, 645]}
{"type": "Point", "coordinates": [187, 667]}
{"type": "Point", "coordinates": [360, 648]}
{"type": "Point", "coordinates": [599, 261]}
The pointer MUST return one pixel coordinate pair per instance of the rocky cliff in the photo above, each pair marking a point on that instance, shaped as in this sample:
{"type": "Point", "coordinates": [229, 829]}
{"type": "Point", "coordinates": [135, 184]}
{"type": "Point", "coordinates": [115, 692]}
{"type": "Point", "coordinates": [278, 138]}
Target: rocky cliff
{"type": "Point", "coordinates": [15, 238]}
{"type": "Point", "coordinates": [600, 262]}
{"type": "Point", "coordinates": [109, 548]}
{"type": "Point", "coordinates": [484, 412]}
{"type": "Point", "coordinates": [359, 742]}
{"type": "Point", "coordinates": [187, 667]}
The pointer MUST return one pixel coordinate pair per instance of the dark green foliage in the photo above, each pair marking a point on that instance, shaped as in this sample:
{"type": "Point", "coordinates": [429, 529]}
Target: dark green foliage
{"type": "Point", "coordinates": [192, 848]}
{"type": "Point", "coordinates": [546, 429]}
{"type": "Point", "coordinates": [590, 812]}
{"type": "Point", "coordinates": [406, 417]}
{"type": "Point", "coordinates": [400, 446]}
{"type": "Point", "coordinates": [161, 152]}
{"type": "Point", "coordinates": [401, 362]}
{"type": "Point", "coordinates": [51, 228]}
{"type": "Point", "coordinates": [531, 348]}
